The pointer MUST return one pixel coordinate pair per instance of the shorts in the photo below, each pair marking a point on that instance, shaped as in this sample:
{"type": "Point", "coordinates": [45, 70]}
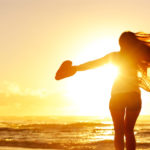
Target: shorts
{"type": "Point", "coordinates": [129, 101]}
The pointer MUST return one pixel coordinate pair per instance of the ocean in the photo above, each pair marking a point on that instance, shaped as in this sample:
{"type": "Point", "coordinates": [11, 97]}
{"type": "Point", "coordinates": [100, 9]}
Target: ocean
{"type": "Point", "coordinates": [67, 133]}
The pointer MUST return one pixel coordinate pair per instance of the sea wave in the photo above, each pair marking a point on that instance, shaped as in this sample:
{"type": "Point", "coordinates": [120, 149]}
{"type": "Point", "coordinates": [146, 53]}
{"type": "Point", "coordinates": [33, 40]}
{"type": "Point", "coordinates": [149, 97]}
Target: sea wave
{"type": "Point", "coordinates": [21, 127]}
{"type": "Point", "coordinates": [67, 124]}
{"type": "Point", "coordinates": [55, 145]}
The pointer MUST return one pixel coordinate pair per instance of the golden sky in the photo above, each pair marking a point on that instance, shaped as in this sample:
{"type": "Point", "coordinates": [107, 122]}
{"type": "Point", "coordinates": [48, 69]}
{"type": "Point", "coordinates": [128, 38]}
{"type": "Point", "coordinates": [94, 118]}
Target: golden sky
{"type": "Point", "coordinates": [37, 35]}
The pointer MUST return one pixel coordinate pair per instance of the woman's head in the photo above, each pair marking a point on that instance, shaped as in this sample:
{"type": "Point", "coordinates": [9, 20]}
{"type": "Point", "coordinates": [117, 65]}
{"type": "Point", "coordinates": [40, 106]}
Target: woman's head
{"type": "Point", "coordinates": [128, 40]}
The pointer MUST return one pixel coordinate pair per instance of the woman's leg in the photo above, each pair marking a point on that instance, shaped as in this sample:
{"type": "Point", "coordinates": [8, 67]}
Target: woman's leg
{"type": "Point", "coordinates": [118, 121]}
{"type": "Point", "coordinates": [130, 120]}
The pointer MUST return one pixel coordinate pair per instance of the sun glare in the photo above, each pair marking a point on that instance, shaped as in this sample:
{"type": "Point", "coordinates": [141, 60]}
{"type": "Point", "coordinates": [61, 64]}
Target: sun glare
{"type": "Point", "coordinates": [90, 90]}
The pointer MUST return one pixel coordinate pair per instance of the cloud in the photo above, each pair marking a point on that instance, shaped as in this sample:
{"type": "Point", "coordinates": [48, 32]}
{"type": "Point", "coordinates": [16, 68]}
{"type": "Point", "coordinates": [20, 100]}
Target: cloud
{"type": "Point", "coordinates": [12, 88]}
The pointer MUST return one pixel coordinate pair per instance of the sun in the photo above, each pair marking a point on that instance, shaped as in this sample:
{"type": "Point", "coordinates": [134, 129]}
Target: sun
{"type": "Point", "coordinates": [90, 90]}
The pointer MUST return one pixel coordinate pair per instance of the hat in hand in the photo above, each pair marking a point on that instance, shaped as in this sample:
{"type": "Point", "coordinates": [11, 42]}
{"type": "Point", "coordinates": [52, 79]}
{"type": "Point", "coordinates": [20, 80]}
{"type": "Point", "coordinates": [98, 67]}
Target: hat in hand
{"type": "Point", "coordinates": [65, 70]}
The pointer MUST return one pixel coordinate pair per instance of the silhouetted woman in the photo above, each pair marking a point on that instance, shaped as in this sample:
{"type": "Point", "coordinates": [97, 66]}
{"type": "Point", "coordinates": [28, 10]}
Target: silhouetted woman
{"type": "Point", "coordinates": [125, 103]}
{"type": "Point", "coordinates": [133, 59]}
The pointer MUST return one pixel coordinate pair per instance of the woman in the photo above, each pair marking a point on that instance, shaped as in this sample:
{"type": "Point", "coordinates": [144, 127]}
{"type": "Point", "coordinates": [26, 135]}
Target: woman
{"type": "Point", "coordinates": [125, 102]}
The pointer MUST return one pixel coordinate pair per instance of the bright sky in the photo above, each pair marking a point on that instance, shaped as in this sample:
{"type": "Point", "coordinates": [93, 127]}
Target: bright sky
{"type": "Point", "coordinates": [37, 35]}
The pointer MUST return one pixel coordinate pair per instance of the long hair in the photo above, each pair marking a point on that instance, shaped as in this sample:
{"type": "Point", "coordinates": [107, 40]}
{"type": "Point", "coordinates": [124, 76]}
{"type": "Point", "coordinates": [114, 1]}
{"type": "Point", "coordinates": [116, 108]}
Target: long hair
{"type": "Point", "coordinates": [139, 46]}
{"type": "Point", "coordinates": [144, 65]}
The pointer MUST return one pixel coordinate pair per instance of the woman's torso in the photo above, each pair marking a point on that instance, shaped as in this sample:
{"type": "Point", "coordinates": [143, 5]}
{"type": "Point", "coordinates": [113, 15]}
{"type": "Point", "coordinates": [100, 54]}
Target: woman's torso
{"type": "Point", "coordinates": [127, 80]}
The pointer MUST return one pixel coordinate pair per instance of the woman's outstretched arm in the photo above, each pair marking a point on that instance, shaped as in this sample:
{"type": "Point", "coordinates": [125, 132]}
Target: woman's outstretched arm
{"type": "Point", "coordinates": [97, 63]}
